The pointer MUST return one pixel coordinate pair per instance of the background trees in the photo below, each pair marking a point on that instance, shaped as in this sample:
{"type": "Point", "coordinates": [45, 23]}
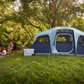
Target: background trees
{"type": "Point", "coordinates": [20, 20]}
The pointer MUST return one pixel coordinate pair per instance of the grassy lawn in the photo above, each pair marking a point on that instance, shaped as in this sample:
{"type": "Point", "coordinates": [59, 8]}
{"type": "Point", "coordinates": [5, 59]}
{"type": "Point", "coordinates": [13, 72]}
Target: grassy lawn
{"type": "Point", "coordinates": [54, 69]}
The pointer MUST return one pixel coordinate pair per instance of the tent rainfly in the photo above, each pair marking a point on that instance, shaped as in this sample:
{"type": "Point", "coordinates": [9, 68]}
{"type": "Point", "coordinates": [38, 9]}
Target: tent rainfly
{"type": "Point", "coordinates": [59, 40]}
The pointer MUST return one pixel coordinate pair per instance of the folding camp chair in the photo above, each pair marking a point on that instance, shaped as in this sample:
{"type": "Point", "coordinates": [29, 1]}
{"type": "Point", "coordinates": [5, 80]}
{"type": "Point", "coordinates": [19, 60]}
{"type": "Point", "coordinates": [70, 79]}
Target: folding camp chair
{"type": "Point", "coordinates": [14, 47]}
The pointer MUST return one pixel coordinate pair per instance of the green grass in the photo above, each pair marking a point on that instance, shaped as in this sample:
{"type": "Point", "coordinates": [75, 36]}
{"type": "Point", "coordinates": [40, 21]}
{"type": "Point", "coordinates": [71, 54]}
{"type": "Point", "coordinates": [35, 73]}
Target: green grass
{"type": "Point", "coordinates": [54, 69]}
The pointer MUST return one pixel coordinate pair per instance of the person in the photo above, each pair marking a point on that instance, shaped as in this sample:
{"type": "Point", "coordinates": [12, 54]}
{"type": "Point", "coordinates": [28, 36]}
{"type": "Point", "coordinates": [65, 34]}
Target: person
{"type": "Point", "coordinates": [3, 51]}
{"type": "Point", "coordinates": [10, 47]}
{"type": "Point", "coordinates": [0, 47]}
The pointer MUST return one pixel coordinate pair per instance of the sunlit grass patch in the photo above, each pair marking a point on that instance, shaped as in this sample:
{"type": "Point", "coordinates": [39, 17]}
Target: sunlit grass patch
{"type": "Point", "coordinates": [42, 69]}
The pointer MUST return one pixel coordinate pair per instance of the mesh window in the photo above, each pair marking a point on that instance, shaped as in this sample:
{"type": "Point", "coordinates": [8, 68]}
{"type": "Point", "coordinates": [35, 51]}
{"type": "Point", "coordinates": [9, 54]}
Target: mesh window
{"type": "Point", "coordinates": [42, 39]}
{"type": "Point", "coordinates": [64, 38]}
{"type": "Point", "coordinates": [64, 30]}
{"type": "Point", "coordinates": [80, 45]}
{"type": "Point", "coordinates": [81, 40]}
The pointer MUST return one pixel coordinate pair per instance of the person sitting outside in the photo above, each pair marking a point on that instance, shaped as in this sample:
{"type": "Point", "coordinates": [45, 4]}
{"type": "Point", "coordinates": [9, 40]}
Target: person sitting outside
{"type": "Point", "coordinates": [10, 47]}
{"type": "Point", "coordinates": [3, 51]}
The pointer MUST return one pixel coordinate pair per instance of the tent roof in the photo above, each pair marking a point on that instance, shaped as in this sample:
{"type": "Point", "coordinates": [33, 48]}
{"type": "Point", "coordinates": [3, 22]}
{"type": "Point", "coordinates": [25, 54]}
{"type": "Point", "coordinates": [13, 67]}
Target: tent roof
{"type": "Point", "coordinates": [47, 32]}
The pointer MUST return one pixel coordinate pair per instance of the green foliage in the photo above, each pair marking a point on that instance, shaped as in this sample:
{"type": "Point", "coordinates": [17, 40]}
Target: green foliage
{"type": "Point", "coordinates": [53, 14]}
{"type": "Point", "coordinates": [3, 33]}
{"type": "Point", "coordinates": [77, 22]}
{"type": "Point", "coordinates": [21, 21]}
{"type": "Point", "coordinates": [53, 69]}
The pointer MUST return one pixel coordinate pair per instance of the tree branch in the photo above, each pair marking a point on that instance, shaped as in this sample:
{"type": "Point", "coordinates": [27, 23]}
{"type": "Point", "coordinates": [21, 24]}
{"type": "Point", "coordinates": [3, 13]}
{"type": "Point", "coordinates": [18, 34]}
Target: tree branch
{"type": "Point", "coordinates": [28, 21]}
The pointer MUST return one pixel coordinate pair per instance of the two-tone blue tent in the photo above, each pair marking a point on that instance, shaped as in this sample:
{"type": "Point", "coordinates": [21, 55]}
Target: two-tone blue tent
{"type": "Point", "coordinates": [59, 40]}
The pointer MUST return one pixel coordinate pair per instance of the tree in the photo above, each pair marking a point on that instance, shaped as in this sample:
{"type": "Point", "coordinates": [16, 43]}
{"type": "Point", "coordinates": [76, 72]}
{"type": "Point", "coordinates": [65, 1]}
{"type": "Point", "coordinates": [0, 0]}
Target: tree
{"type": "Point", "coordinates": [34, 16]}
{"type": "Point", "coordinates": [49, 13]}
{"type": "Point", "coordinates": [77, 22]}
{"type": "Point", "coordinates": [3, 28]}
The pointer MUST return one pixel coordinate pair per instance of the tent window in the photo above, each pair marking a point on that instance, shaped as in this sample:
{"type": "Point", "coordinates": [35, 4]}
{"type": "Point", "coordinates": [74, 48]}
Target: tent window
{"type": "Point", "coordinates": [64, 30]}
{"type": "Point", "coordinates": [80, 45]}
{"type": "Point", "coordinates": [64, 38]}
{"type": "Point", "coordinates": [81, 40]}
{"type": "Point", "coordinates": [70, 39]}
{"type": "Point", "coordinates": [42, 39]}
{"type": "Point", "coordinates": [61, 39]}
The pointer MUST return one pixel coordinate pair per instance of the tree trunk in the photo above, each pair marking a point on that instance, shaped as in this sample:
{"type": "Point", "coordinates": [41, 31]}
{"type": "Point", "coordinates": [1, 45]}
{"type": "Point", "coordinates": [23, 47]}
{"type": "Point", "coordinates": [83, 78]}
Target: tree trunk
{"type": "Point", "coordinates": [53, 24]}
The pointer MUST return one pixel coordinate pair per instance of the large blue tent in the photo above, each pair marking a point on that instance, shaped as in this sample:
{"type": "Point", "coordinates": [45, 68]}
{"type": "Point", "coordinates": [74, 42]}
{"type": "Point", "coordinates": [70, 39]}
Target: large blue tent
{"type": "Point", "coordinates": [59, 40]}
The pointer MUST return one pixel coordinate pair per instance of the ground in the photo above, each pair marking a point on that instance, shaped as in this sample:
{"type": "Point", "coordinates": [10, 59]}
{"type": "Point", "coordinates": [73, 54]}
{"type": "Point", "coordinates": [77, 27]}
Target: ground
{"type": "Point", "coordinates": [42, 69]}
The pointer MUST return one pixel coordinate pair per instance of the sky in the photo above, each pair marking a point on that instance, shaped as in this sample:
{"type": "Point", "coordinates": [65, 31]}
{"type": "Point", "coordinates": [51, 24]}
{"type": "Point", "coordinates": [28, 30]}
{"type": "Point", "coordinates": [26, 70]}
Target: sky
{"type": "Point", "coordinates": [81, 1]}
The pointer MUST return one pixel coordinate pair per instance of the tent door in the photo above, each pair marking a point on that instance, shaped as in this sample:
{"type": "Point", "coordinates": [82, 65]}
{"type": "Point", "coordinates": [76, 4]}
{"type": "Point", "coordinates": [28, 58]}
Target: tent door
{"type": "Point", "coordinates": [64, 43]}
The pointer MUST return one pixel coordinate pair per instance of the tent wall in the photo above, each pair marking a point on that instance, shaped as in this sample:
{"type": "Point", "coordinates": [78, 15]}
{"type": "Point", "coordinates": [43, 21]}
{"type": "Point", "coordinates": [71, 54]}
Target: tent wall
{"type": "Point", "coordinates": [42, 44]}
